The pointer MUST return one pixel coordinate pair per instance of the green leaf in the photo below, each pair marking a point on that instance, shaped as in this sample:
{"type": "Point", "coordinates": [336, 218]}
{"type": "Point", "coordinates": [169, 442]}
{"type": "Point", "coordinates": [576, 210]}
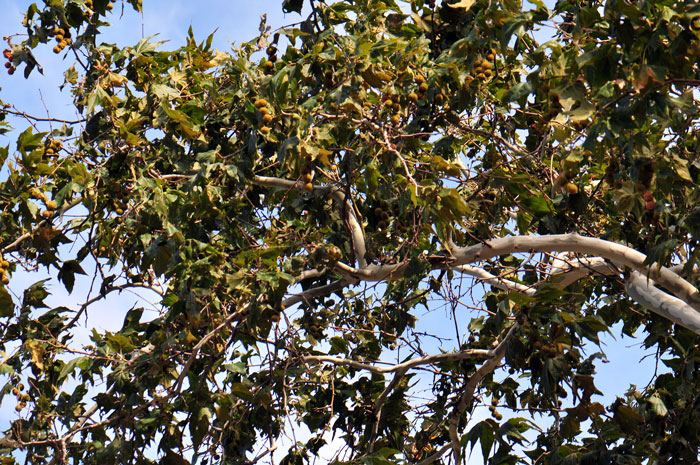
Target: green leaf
{"type": "Point", "coordinates": [67, 273]}
{"type": "Point", "coordinates": [69, 367]}
{"type": "Point", "coordinates": [584, 111]}
{"type": "Point", "coordinates": [518, 91]}
{"type": "Point", "coordinates": [7, 306]}
{"type": "Point", "coordinates": [292, 5]}
{"type": "Point", "coordinates": [27, 141]}
{"type": "Point", "coordinates": [539, 206]}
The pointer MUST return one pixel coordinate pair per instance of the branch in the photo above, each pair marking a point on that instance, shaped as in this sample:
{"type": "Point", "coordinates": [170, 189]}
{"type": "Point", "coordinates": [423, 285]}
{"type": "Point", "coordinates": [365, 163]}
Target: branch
{"type": "Point", "coordinates": [203, 341]}
{"type": "Point", "coordinates": [613, 251]}
{"type": "Point", "coordinates": [316, 292]}
{"type": "Point", "coordinates": [357, 236]}
{"type": "Point", "coordinates": [435, 456]}
{"type": "Point", "coordinates": [379, 404]}
{"type": "Point", "coordinates": [642, 290]}
{"type": "Point", "coordinates": [577, 268]}
{"type": "Point", "coordinates": [617, 253]}
{"type": "Point", "coordinates": [428, 359]}
{"type": "Point", "coordinates": [488, 367]}
{"type": "Point", "coordinates": [495, 281]}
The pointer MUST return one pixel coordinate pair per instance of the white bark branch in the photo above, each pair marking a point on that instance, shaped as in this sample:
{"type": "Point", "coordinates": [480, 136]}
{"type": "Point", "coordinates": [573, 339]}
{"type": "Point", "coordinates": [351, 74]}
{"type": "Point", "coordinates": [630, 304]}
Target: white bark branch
{"type": "Point", "coordinates": [642, 290]}
{"type": "Point", "coordinates": [617, 253]}
{"type": "Point", "coordinates": [356, 234]}
{"type": "Point", "coordinates": [316, 292]}
{"type": "Point", "coordinates": [470, 387]}
{"type": "Point", "coordinates": [495, 281]}
{"type": "Point", "coordinates": [428, 359]}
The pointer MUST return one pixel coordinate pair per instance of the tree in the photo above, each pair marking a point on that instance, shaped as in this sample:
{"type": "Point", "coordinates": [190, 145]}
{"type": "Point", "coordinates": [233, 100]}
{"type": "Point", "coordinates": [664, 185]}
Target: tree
{"type": "Point", "coordinates": [297, 204]}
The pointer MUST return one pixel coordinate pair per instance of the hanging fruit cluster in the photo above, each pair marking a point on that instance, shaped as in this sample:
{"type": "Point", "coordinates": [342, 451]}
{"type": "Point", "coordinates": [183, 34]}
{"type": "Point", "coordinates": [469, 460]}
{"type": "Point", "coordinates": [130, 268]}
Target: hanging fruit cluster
{"type": "Point", "coordinates": [4, 266]}
{"type": "Point", "coordinates": [265, 116]}
{"type": "Point", "coordinates": [268, 64]}
{"type": "Point", "coordinates": [17, 391]}
{"type": "Point", "coordinates": [492, 408]}
{"type": "Point", "coordinates": [62, 38]}
{"type": "Point", "coordinates": [483, 68]}
{"type": "Point", "coordinates": [49, 204]}
{"type": "Point", "coordinates": [52, 147]}
{"type": "Point", "coordinates": [422, 86]}
{"type": "Point", "coordinates": [7, 53]}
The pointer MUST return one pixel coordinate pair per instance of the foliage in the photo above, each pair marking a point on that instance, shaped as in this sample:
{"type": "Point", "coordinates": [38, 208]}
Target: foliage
{"type": "Point", "coordinates": [295, 204]}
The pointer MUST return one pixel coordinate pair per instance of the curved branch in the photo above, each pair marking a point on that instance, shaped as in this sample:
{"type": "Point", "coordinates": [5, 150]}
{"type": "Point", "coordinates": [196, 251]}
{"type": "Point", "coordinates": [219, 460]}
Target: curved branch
{"type": "Point", "coordinates": [613, 251]}
{"type": "Point", "coordinates": [495, 281]}
{"type": "Point", "coordinates": [428, 359]}
{"type": "Point", "coordinates": [308, 274]}
{"type": "Point", "coordinates": [316, 292]}
{"type": "Point", "coordinates": [577, 268]}
{"type": "Point", "coordinates": [617, 253]}
{"type": "Point", "coordinates": [470, 387]}
{"type": "Point", "coordinates": [642, 290]}
{"type": "Point", "coordinates": [356, 233]}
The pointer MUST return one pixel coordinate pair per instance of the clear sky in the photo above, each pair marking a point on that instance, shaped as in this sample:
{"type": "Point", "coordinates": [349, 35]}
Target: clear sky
{"type": "Point", "coordinates": [234, 21]}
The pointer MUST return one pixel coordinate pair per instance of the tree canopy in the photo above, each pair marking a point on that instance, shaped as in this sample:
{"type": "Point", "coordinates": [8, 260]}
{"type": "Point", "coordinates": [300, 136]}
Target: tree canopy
{"type": "Point", "coordinates": [370, 225]}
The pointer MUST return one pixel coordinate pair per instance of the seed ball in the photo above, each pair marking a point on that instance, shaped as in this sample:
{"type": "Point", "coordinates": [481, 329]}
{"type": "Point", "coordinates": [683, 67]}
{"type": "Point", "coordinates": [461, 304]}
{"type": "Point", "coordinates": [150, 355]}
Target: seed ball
{"type": "Point", "coordinates": [571, 188]}
{"type": "Point", "coordinates": [650, 205]}
{"type": "Point", "coordinates": [308, 187]}
{"type": "Point", "coordinates": [57, 49]}
{"type": "Point", "coordinates": [265, 130]}
{"type": "Point", "coordinates": [648, 196]}
{"type": "Point", "coordinates": [11, 70]}
{"type": "Point", "coordinates": [267, 118]}
{"type": "Point", "coordinates": [5, 280]}
{"type": "Point", "coordinates": [51, 205]}
{"type": "Point", "coordinates": [423, 87]}
{"type": "Point", "coordinates": [413, 97]}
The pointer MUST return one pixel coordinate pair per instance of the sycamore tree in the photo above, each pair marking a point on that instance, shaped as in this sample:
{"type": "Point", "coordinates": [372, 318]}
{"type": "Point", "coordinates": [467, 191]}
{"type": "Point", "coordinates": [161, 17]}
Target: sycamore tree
{"type": "Point", "coordinates": [523, 175]}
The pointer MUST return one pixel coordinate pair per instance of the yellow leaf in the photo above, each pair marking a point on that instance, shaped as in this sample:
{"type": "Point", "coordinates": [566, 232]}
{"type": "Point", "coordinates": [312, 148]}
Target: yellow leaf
{"type": "Point", "coordinates": [37, 351]}
{"type": "Point", "coordinates": [466, 4]}
{"type": "Point", "coordinates": [323, 155]}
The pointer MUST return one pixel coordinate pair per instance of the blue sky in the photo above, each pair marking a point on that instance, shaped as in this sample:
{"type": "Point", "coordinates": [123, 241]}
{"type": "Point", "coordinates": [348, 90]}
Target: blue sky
{"type": "Point", "coordinates": [235, 21]}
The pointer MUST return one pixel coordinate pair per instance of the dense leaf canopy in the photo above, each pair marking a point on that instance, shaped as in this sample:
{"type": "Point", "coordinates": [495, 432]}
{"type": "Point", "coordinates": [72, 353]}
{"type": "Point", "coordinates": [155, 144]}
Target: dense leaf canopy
{"type": "Point", "coordinates": [364, 227]}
